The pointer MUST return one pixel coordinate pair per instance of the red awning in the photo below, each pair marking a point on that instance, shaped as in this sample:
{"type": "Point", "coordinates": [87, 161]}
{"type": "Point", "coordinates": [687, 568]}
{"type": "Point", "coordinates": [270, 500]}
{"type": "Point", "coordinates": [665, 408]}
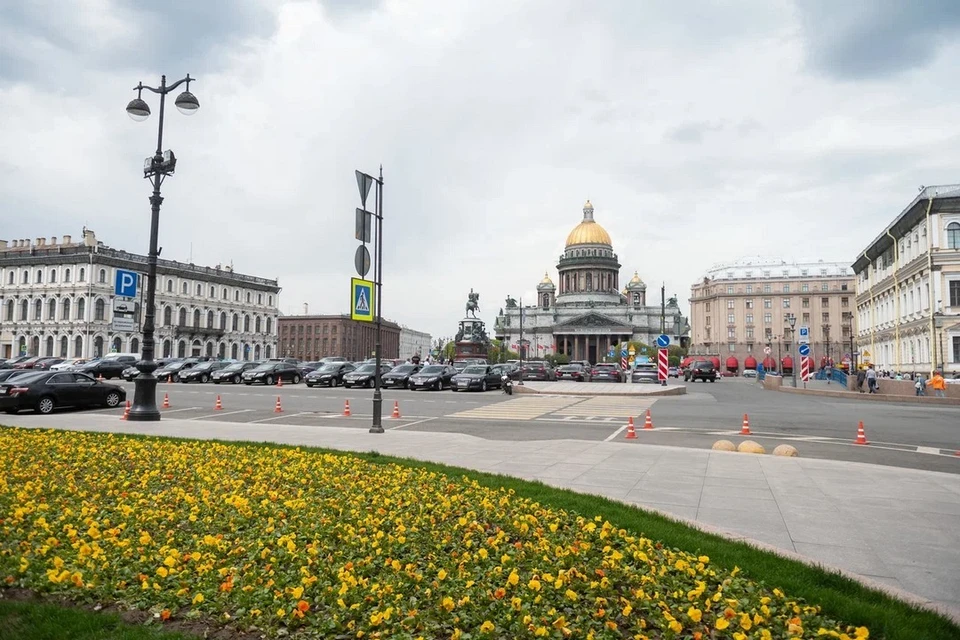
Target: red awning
{"type": "Point", "coordinates": [716, 361]}
{"type": "Point", "coordinates": [733, 363]}
{"type": "Point", "coordinates": [769, 363]}
{"type": "Point", "coordinates": [750, 362]}
{"type": "Point", "coordinates": [686, 361]}
{"type": "Point", "coordinates": [787, 362]}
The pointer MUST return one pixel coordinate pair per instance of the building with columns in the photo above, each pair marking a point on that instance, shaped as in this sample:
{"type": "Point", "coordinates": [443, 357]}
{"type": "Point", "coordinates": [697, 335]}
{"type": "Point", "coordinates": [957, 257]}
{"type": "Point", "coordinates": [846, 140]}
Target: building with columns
{"type": "Point", "coordinates": [908, 287]}
{"type": "Point", "coordinates": [56, 299]}
{"type": "Point", "coordinates": [589, 313]}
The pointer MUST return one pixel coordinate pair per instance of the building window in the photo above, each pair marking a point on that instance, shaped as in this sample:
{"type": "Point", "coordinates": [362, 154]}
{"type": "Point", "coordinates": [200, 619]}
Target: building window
{"type": "Point", "coordinates": [210, 320]}
{"type": "Point", "coordinates": [53, 275]}
{"type": "Point", "coordinates": [269, 302]}
{"type": "Point", "coordinates": [805, 303]}
{"type": "Point", "coordinates": [749, 318]}
{"type": "Point", "coordinates": [26, 278]}
{"type": "Point", "coordinates": [749, 304]}
{"type": "Point", "coordinates": [825, 286]}
{"type": "Point", "coordinates": [196, 318]}
{"type": "Point", "coordinates": [236, 296]}
{"type": "Point", "coordinates": [729, 288]}
{"type": "Point", "coordinates": [749, 288]}
{"type": "Point", "coordinates": [731, 347]}
{"type": "Point", "coordinates": [708, 306]}
{"type": "Point", "coordinates": [767, 318]}
{"type": "Point", "coordinates": [708, 321]}
{"type": "Point", "coordinates": [81, 306]}
{"type": "Point", "coordinates": [804, 287]}
{"type": "Point", "coordinates": [806, 317]}
{"type": "Point", "coordinates": [844, 302]}
{"type": "Point", "coordinates": [66, 275]}
{"type": "Point", "coordinates": [767, 303]}
{"type": "Point", "coordinates": [223, 321]}
{"type": "Point", "coordinates": [182, 317]}
{"type": "Point", "coordinates": [24, 310]}
{"type": "Point", "coordinates": [786, 303]}
{"type": "Point", "coordinates": [236, 322]}
{"type": "Point", "coordinates": [10, 310]}
{"type": "Point", "coordinates": [39, 276]}
{"type": "Point", "coordinates": [767, 288]}
{"type": "Point", "coordinates": [257, 325]}
{"type": "Point", "coordinates": [270, 326]}
{"type": "Point", "coordinates": [248, 297]}
{"type": "Point", "coordinates": [768, 334]}
{"type": "Point", "coordinates": [954, 293]}
{"type": "Point", "coordinates": [786, 288]}
{"type": "Point", "coordinates": [38, 309]}
{"type": "Point", "coordinates": [731, 318]}
{"type": "Point", "coordinates": [729, 304]}
{"type": "Point", "coordinates": [169, 286]}
{"type": "Point", "coordinates": [213, 291]}
{"type": "Point", "coordinates": [259, 298]}
{"type": "Point", "coordinates": [749, 333]}
{"type": "Point", "coordinates": [246, 322]}
{"type": "Point", "coordinates": [199, 290]}
{"type": "Point", "coordinates": [184, 288]}
{"type": "Point", "coordinates": [956, 348]}
{"type": "Point", "coordinates": [167, 316]}
{"type": "Point", "coordinates": [732, 334]}
{"type": "Point", "coordinates": [824, 302]}
{"type": "Point", "coordinates": [99, 308]}
{"type": "Point", "coordinates": [52, 309]}
{"type": "Point", "coordinates": [825, 317]}
{"type": "Point", "coordinates": [953, 235]}
{"type": "Point", "coordinates": [102, 276]}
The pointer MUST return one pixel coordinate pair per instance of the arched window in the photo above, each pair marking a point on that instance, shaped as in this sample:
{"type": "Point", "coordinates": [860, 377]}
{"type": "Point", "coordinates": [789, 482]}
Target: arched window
{"type": "Point", "coordinates": [182, 317]}
{"type": "Point", "coordinates": [66, 275]}
{"type": "Point", "coordinates": [222, 351]}
{"type": "Point", "coordinates": [236, 322]}
{"type": "Point", "coordinates": [270, 325]}
{"type": "Point", "coordinates": [224, 294]}
{"type": "Point", "coordinates": [24, 310]}
{"type": "Point", "coordinates": [267, 354]}
{"type": "Point", "coordinates": [234, 351]}
{"type": "Point", "coordinates": [26, 277]}
{"type": "Point", "coordinates": [236, 296]}
{"type": "Point", "coordinates": [257, 324]}
{"type": "Point", "coordinates": [195, 349]}
{"type": "Point", "coordinates": [167, 316]}
{"type": "Point", "coordinates": [183, 288]}
{"type": "Point", "coordinates": [53, 275]}
{"type": "Point", "coordinates": [181, 349]}
{"type": "Point", "coordinates": [64, 346]}
{"type": "Point", "coordinates": [246, 351]}
{"type": "Point", "coordinates": [38, 309]}
{"type": "Point", "coordinates": [78, 347]}
{"type": "Point", "coordinates": [169, 285]}
{"type": "Point", "coordinates": [167, 349]}
{"type": "Point", "coordinates": [10, 310]}
{"type": "Point", "coordinates": [11, 278]}
{"type": "Point", "coordinates": [99, 308]}
{"type": "Point", "coordinates": [39, 276]}
{"type": "Point", "coordinates": [98, 347]}
{"type": "Point", "coordinates": [22, 345]}
{"type": "Point", "coordinates": [246, 323]}
{"type": "Point", "coordinates": [259, 298]}
{"type": "Point", "coordinates": [213, 291]}
{"type": "Point", "coordinates": [81, 309]}
{"type": "Point", "coordinates": [117, 345]}
{"type": "Point", "coordinates": [210, 319]}
{"type": "Point", "coordinates": [83, 275]}
{"type": "Point", "coordinates": [199, 290]}
{"type": "Point", "coordinates": [223, 321]}
{"type": "Point", "coordinates": [102, 276]}
{"type": "Point", "coordinates": [953, 235]}
{"type": "Point", "coordinates": [49, 351]}
{"type": "Point", "coordinates": [196, 317]}
{"type": "Point", "coordinates": [256, 352]}
{"type": "Point", "coordinates": [270, 301]}
{"type": "Point", "coordinates": [134, 345]}
{"type": "Point", "coordinates": [209, 349]}
{"type": "Point", "coordinates": [248, 296]}
{"type": "Point", "coordinates": [589, 282]}
{"type": "Point", "coordinates": [51, 309]}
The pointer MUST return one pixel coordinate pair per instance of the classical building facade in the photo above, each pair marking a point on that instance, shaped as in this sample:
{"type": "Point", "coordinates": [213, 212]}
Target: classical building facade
{"type": "Point", "coordinates": [908, 287]}
{"type": "Point", "coordinates": [311, 337]}
{"type": "Point", "coordinates": [414, 343]}
{"type": "Point", "coordinates": [588, 314]}
{"type": "Point", "coordinates": [740, 308]}
{"type": "Point", "coordinates": [56, 298]}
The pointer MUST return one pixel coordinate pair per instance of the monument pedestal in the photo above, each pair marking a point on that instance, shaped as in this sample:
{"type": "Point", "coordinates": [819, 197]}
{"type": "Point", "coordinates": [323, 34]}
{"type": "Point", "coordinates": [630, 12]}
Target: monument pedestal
{"type": "Point", "coordinates": [472, 341]}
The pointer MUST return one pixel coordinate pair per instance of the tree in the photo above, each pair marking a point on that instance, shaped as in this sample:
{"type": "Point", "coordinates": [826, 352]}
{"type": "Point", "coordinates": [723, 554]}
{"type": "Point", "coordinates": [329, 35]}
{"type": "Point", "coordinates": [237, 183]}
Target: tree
{"type": "Point", "coordinates": [557, 359]}
{"type": "Point", "coordinates": [497, 352]}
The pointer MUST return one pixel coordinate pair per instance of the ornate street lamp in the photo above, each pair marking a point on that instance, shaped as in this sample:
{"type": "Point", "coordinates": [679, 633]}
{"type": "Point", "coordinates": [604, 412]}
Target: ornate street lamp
{"type": "Point", "coordinates": [155, 168]}
{"type": "Point", "coordinates": [792, 321]}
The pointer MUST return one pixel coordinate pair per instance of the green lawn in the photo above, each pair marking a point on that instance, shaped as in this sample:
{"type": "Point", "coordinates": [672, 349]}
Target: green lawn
{"type": "Point", "coordinates": [38, 621]}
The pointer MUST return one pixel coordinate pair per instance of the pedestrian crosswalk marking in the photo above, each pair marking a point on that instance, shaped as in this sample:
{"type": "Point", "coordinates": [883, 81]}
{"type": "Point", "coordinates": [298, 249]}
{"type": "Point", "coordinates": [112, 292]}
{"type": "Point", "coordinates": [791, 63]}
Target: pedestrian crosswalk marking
{"type": "Point", "coordinates": [612, 406]}
{"type": "Point", "coordinates": [524, 408]}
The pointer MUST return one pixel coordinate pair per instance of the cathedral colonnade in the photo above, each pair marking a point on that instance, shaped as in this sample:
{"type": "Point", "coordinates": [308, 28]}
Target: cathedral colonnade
{"type": "Point", "coordinates": [592, 347]}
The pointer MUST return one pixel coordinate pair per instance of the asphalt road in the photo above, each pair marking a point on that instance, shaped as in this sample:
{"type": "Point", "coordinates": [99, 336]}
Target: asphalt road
{"type": "Point", "coordinates": [906, 435]}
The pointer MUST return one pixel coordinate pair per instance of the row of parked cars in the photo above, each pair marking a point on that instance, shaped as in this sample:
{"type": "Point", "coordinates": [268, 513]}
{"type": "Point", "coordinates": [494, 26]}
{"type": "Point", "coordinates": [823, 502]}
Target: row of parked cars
{"type": "Point", "coordinates": [583, 371]}
{"type": "Point", "coordinates": [45, 388]}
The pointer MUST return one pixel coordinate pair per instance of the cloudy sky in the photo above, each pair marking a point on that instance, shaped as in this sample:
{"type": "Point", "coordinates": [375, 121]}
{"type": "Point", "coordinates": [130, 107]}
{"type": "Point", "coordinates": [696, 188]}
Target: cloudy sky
{"type": "Point", "coordinates": [701, 131]}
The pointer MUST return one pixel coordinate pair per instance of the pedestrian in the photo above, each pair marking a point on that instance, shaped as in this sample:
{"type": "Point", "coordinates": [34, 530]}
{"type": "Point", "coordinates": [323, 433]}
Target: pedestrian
{"type": "Point", "coordinates": [919, 385]}
{"type": "Point", "coordinates": [861, 376]}
{"type": "Point", "coordinates": [939, 385]}
{"type": "Point", "coordinates": [871, 379]}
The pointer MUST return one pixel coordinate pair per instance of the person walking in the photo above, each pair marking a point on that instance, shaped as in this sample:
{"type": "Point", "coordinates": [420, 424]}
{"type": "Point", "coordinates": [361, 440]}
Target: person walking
{"type": "Point", "coordinates": [861, 376]}
{"type": "Point", "coordinates": [939, 385]}
{"type": "Point", "coordinates": [871, 379]}
{"type": "Point", "coordinates": [920, 385]}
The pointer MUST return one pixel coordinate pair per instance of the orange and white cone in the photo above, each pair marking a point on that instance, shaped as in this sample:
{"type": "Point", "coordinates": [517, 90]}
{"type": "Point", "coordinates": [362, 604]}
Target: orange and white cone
{"type": "Point", "coordinates": [648, 422]}
{"type": "Point", "coordinates": [396, 409]}
{"type": "Point", "coordinates": [861, 435]}
{"type": "Point", "coordinates": [631, 432]}
{"type": "Point", "coordinates": [745, 429]}
{"type": "Point", "coordinates": [166, 401]}
{"type": "Point", "coordinates": [279, 381]}
{"type": "Point", "coordinates": [170, 379]}
{"type": "Point", "coordinates": [219, 405]}
{"type": "Point", "coordinates": [126, 411]}
{"type": "Point", "coordinates": [346, 408]}
{"type": "Point", "coordinates": [278, 408]}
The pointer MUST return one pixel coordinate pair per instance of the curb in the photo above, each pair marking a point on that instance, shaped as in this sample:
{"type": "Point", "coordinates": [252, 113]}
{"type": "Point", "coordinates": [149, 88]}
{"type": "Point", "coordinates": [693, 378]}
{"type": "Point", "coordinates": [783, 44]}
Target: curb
{"type": "Point", "coordinates": [875, 397]}
{"type": "Point", "coordinates": [669, 391]}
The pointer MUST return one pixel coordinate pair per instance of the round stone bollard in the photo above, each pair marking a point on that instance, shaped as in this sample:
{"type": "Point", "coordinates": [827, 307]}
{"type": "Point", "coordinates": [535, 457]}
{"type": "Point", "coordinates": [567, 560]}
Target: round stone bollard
{"type": "Point", "coordinates": [749, 446]}
{"type": "Point", "coordinates": [724, 445]}
{"type": "Point", "coordinates": [786, 450]}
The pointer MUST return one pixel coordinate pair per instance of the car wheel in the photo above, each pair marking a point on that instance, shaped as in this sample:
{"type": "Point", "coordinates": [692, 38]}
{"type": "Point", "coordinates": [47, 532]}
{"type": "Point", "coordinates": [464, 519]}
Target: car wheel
{"type": "Point", "coordinates": [439, 385]}
{"type": "Point", "coordinates": [483, 385]}
{"type": "Point", "coordinates": [204, 378]}
{"type": "Point", "coordinates": [335, 383]}
{"type": "Point", "coordinates": [45, 405]}
{"type": "Point", "coordinates": [236, 379]}
{"type": "Point", "coordinates": [112, 399]}
{"type": "Point", "coordinates": [269, 381]}
{"type": "Point", "coordinates": [296, 379]}
{"type": "Point", "coordinates": [369, 384]}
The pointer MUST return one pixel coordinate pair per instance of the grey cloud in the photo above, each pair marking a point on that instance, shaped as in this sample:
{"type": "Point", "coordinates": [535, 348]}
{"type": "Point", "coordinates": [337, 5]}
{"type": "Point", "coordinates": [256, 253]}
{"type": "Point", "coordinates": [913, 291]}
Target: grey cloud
{"type": "Point", "coordinates": [875, 38]}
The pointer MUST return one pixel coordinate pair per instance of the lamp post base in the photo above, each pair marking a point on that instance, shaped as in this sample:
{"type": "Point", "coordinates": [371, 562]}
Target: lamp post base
{"type": "Point", "coordinates": [144, 407]}
{"type": "Point", "coordinates": [377, 413]}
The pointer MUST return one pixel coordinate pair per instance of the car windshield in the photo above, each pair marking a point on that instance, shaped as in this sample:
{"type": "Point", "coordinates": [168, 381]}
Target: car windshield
{"type": "Point", "coordinates": [475, 369]}
{"type": "Point", "coordinates": [367, 368]}
{"type": "Point", "coordinates": [646, 367]}
{"type": "Point", "coordinates": [28, 378]}
{"type": "Point", "coordinates": [236, 366]}
{"type": "Point", "coordinates": [572, 367]}
{"type": "Point", "coordinates": [330, 368]}
{"type": "Point", "coordinates": [605, 366]}
{"type": "Point", "coordinates": [203, 366]}
{"type": "Point", "coordinates": [267, 366]}
{"type": "Point", "coordinates": [404, 368]}
{"type": "Point", "coordinates": [434, 369]}
{"type": "Point", "coordinates": [175, 366]}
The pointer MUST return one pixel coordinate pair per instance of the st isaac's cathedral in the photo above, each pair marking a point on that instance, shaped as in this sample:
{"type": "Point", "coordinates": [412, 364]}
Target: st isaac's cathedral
{"type": "Point", "coordinates": [589, 314]}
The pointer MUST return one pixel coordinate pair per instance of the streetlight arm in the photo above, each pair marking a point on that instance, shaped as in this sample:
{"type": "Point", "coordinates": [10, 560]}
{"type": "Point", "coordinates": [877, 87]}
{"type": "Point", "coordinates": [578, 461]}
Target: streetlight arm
{"type": "Point", "coordinates": [165, 89]}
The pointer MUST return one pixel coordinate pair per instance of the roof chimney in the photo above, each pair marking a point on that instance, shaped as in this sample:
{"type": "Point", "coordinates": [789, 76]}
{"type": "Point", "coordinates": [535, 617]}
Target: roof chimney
{"type": "Point", "coordinates": [306, 309]}
{"type": "Point", "coordinates": [3, 244]}
{"type": "Point", "coordinates": [89, 238]}
{"type": "Point", "coordinates": [53, 241]}
{"type": "Point", "coordinates": [41, 242]}
{"type": "Point", "coordinates": [67, 239]}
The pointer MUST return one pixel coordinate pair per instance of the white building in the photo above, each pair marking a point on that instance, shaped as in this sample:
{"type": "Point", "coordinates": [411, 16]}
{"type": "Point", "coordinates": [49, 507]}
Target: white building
{"type": "Point", "coordinates": [56, 299]}
{"type": "Point", "coordinates": [414, 343]}
{"type": "Point", "coordinates": [908, 287]}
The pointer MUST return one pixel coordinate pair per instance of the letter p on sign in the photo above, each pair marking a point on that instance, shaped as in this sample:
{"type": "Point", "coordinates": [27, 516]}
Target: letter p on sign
{"type": "Point", "coordinates": [126, 284]}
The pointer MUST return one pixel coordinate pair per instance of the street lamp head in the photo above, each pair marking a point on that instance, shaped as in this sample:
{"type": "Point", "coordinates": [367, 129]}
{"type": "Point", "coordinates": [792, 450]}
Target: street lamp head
{"type": "Point", "coordinates": [138, 110]}
{"type": "Point", "coordinates": [792, 320]}
{"type": "Point", "coordinates": [187, 103]}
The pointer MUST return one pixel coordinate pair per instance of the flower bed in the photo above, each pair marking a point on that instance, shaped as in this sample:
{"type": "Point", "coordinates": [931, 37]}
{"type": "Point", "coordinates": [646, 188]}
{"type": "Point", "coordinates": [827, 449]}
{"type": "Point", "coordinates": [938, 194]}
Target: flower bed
{"type": "Point", "coordinates": [270, 537]}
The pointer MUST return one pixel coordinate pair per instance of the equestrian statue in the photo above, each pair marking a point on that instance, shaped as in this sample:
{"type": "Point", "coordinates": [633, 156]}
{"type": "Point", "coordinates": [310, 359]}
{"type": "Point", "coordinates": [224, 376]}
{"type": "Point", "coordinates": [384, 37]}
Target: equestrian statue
{"type": "Point", "coordinates": [473, 304]}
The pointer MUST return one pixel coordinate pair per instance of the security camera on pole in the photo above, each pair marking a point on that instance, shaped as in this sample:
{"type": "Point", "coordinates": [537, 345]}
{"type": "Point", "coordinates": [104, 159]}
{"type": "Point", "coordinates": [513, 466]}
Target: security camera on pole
{"type": "Point", "coordinates": [365, 294]}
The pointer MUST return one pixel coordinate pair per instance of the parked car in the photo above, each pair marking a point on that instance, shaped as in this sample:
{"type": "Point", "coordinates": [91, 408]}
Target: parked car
{"type": "Point", "coordinates": [330, 374]}
{"type": "Point", "coordinates": [44, 391]}
{"type": "Point", "coordinates": [702, 370]}
{"type": "Point", "coordinates": [11, 362]}
{"type": "Point", "coordinates": [130, 373]}
{"type": "Point", "coordinates": [8, 374]}
{"type": "Point", "coordinates": [269, 372]}
{"type": "Point", "coordinates": [573, 371]}
{"type": "Point", "coordinates": [749, 373]}
{"type": "Point", "coordinates": [106, 367]}
{"type": "Point", "coordinates": [202, 371]}
{"type": "Point", "coordinates": [27, 363]}
{"type": "Point", "coordinates": [330, 359]}
{"type": "Point", "coordinates": [476, 376]}
{"type": "Point", "coordinates": [400, 376]}
{"type": "Point", "coordinates": [68, 364]}
{"type": "Point", "coordinates": [606, 372]}
{"type": "Point", "coordinates": [538, 370]}
{"type": "Point", "coordinates": [645, 372]}
{"type": "Point", "coordinates": [673, 372]}
{"type": "Point", "coordinates": [511, 370]}
{"type": "Point", "coordinates": [171, 371]}
{"type": "Point", "coordinates": [232, 373]}
{"type": "Point", "coordinates": [307, 367]}
{"type": "Point", "coordinates": [44, 364]}
{"type": "Point", "coordinates": [363, 376]}
{"type": "Point", "coordinates": [433, 376]}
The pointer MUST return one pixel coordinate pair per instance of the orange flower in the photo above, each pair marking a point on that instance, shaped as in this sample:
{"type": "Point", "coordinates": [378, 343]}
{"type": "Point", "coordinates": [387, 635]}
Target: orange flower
{"type": "Point", "coordinates": [499, 593]}
{"type": "Point", "coordinates": [303, 606]}
{"type": "Point", "coordinates": [165, 614]}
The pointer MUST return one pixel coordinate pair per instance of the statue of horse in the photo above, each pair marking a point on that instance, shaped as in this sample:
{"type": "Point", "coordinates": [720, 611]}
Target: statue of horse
{"type": "Point", "coordinates": [473, 304]}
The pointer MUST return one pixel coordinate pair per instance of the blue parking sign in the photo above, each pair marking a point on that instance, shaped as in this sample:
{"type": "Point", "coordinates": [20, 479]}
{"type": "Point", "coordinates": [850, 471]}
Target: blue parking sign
{"type": "Point", "coordinates": [125, 284]}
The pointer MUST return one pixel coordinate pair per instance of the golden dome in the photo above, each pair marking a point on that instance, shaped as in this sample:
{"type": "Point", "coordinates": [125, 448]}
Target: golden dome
{"type": "Point", "coordinates": [546, 278]}
{"type": "Point", "coordinates": [588, 231]}
{"type": "Point", "coordinates": [635, 279]}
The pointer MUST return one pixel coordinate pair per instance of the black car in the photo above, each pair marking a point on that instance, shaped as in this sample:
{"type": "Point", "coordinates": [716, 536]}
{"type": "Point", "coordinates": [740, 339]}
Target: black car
{"type": "Point", "coordinates": [363, 375]}
{"type": "Point", "coordinates": [9, 364]}
{"type": "Point", "coordinates": [130, 373]}
{"type": "Point", "coordinates": [307, 367]}
{"type": "Point", "coordinates": [702, 370]}
{"type": "Point", "coordinates": [477, 376]}
{"type": "Point", "coordinates": [400, 376]}
{"type": "Point", "coordinates": [606, 371]}
{"type": "Point", "coordinates": [573, 371]}
{"type": "Point", "coordinates": [433, 376]}
{"type": "Point", "coordinates": [44, 364]}
{"type": "Point", "coordinates": [7, 374]}
{"type": "Point", "coordinates": [269, 372]}
{"type": "Point", "coordinates": [44, 391]}
{"type": "Point", "coordinates": [233, 372]}
{"type": "Point", "coordinates": [202, 371]}
{"type": "Point", "coordinates": [329, 375]}
{"type": "Point", "coordinates": [107, 367]}
{"type": "Point", "coordinates": [512, 371]}
{"type": "Point", "coordinates": [538, 370]}
{"type": "Point", "coordinates": [171, 371]}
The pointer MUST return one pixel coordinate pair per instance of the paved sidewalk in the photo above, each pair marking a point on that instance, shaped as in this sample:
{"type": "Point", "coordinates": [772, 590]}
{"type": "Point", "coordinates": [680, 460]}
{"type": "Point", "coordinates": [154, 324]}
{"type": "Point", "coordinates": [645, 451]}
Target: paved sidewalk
{"type": "Point", "coordinates": [570, 388]}
{"type": "Point", "coordinates": [897, 528]}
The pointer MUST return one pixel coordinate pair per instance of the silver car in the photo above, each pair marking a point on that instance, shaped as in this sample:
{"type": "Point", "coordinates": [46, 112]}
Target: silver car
{"type": "Point", "coordinates": [645, 372]}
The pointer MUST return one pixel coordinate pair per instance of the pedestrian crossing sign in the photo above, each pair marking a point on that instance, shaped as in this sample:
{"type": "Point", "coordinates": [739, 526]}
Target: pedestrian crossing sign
{"type": "Point", "coordinates": [361, 300]}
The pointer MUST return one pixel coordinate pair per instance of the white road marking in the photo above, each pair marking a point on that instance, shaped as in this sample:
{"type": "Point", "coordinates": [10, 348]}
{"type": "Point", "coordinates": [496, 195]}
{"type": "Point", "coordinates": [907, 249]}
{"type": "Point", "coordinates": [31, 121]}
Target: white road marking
{"type": "Point", "coordinates": [931, 450]}
{"type": "Point", "coordinates": [288, 415]}
{"type": "Point", "coordinates": [408, 424]}
{"type": "Point", "coordinates": [615, 434]}
{"type": "Point", "coordinates": [220, 415]}
{"type": "Point", "coordinates": [165, 411]}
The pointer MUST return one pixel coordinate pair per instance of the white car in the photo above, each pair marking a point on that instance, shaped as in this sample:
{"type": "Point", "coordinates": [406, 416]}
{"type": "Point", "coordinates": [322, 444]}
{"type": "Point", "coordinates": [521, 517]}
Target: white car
{"type": "Point", "coordinates": [67, 364]}
{"type": "Point", "coordinates": [749, 373]}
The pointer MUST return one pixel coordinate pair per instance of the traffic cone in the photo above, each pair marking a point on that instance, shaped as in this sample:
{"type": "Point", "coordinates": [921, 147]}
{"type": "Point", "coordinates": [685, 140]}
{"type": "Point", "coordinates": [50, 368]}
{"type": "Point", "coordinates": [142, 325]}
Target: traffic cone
{"type": "Point", "coordinates": [166, 401]}
{"type": "Point", "coordinates": [861, 436]}
{"type": "Point", "coordinates": [170, 379]}
{"type": "Point", "coordinates": [648, 423]}
{"type": "Point", "coordinates": [278, 408]}
{"type": "Point", "coordinates": [346, 408]}
{"type": "Point", "coordinates": [100, 378]}
{"type": "Point", "coordinates": [126, 411]}
{"type": "Point", "coordinates": [279, 381]}
{"type": "Point", "coordinates": [396, 409]}
{"type": "Point", "coordinates": [745, 429]}
{"type": "Point", "coordinates": [631, 432]}
{"type": "Point", "coordinates": [219, 405]}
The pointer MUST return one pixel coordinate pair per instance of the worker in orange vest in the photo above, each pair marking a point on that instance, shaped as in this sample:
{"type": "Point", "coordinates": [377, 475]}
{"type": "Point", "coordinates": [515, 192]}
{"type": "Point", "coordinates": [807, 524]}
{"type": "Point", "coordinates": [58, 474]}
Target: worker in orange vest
{"type": "Point", "coordinates": [939, 384]}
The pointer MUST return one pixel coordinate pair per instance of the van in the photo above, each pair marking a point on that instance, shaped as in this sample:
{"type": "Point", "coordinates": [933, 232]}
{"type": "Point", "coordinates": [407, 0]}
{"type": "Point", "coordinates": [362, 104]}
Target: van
{"type": "Point", "coordinates": [124, 356]}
